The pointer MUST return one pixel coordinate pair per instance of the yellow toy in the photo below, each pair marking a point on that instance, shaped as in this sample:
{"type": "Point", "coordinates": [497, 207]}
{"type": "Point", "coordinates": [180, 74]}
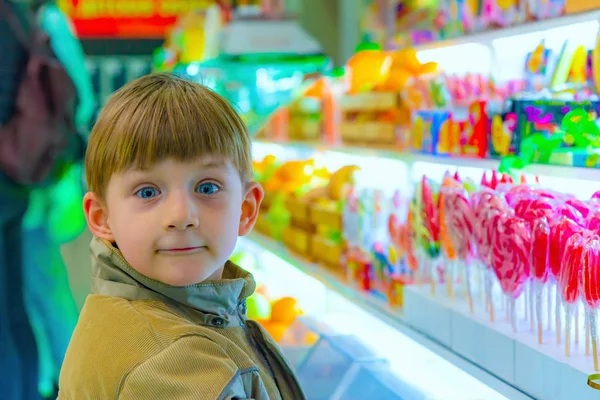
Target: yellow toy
{"type": "Point", "coordinates": [501, 137]}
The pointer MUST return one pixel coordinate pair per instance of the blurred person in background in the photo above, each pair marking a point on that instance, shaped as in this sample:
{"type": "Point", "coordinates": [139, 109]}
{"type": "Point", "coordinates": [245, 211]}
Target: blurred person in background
{"type": "Point", "coordinates": [55, 216]}
{"type": "Point", "coordinates": [37, 144]}
{"type": "Point", "coordinates": [18, 364]}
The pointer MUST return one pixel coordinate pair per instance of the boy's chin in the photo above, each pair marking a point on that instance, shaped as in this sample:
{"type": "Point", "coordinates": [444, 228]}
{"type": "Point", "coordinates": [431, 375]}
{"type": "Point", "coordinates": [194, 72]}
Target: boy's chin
{"type": "Point", "coordinates": [181, 276]}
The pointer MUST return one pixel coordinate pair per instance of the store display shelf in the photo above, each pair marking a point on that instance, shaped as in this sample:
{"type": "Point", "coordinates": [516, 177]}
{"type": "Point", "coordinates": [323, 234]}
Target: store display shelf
{"type": "Point", "coordinates": [391, 316]}
{"type": "Point", "coordinates": [542, 371]}
{"type": "Point", "coordinates": [487, 37]}
{"type": "Point", "coordinates": [541, 170]}
{"type": "Point", "coordinates": [491, 352]}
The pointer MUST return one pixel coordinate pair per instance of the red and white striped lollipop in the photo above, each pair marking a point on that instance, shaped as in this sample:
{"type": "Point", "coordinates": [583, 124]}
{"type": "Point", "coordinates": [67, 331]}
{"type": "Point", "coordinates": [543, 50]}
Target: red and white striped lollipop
{"type": "Point", "coordinates": [511, 252]}
{"type": "Point", "coordinates": [540, 248]}
{"type": "Point", "coordinates": [569, 281]}
{"type": "Point", "coordinates": [590, 290]}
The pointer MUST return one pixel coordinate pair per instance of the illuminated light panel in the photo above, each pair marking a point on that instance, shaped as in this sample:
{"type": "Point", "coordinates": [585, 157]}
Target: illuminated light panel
{"type": "Point", "coordinates": [453, 59]}
{"type": "Point", "coordinates": [390, 171]}
{"type": "Point", "coordinates": [409, 360]}
{"type": "Point", "coordinates": [510, 52]}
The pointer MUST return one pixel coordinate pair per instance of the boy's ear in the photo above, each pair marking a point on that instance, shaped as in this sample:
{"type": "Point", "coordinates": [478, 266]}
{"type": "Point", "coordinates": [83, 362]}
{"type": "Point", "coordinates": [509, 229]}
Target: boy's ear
{"type": "Point", "coordinates": [250, 206]}
{"type": "Point", "coordinates": [97, 217]}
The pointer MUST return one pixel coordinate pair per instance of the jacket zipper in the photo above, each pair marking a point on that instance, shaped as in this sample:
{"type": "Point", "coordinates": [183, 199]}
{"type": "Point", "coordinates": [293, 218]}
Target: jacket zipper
{"type": "Point", "coordinates": [250, 338]}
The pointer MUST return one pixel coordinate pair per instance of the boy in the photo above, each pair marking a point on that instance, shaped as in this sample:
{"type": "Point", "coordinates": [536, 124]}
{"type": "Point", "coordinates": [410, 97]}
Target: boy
{"type": "Point", "coordinates": [169, 173]}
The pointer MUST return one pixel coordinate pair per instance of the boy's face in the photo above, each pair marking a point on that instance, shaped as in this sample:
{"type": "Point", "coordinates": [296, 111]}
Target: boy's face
{"type": "Point", "coordinates": [177, 222]}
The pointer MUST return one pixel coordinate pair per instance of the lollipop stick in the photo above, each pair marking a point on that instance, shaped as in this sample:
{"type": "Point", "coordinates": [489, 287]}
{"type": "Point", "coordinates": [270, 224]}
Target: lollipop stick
{"type": "Point", "coordinates": [568, 318]}
{"type": "Point", "coordinates": [480, 272]}
{"type": "Point", "coordinates": [576, 323]}
{"type": "Point", "coordinates": [549, 290]}
{"type": "Point", "coordinates": [432, 275]}
{"type": "Point", "coordinates": [468, 279]}
{"type": "Point", "coordinates": [532, 297]}
{"type": "Point", "coordinates": [526, 304]}
{"type": "Point", "coordinates": [450, 279]}
{"type": "Point", "coordinates": [587, 336]}
{"type": "Point", "coordinates": [512, 304]}
{"type": "Point", "coordinates": [557, 309]}
{"type": "Point", "coordinates": [490, 294]}
{"type": "Point", "coordinates": [538, 309]}
{"type": "Point", "coordinates": [594, 338]}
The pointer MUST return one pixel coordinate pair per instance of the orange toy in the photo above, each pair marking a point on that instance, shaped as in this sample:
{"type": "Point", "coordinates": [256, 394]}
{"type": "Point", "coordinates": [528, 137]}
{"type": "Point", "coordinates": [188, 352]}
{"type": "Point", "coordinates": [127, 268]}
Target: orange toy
{"type": "Point", "coordinates": [368, 69]}
{"type": "Point", "coordinates": [276, 330]}
{"type": "Point", "coordinates": [285, 311]}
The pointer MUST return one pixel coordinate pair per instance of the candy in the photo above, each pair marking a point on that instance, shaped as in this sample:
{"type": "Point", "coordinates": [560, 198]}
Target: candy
{"type": "Point", "coordinates": [568, 282]}
{"type": "Point", "coordinates": [560, 232]}
{"type": "Point", "coordinates": [459, 220]}
{"type": "Point", "coordinates": [510, 256]}
{"type": "Point", "coordinates": [590, 272]}
{"type": "Point", "coordinates": [540, 248]}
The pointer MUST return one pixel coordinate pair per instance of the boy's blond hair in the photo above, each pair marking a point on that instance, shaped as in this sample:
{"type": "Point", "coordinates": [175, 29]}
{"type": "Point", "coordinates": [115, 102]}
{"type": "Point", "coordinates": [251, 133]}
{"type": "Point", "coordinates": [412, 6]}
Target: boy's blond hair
{"type": "Point", "coordinates": [162, 116]}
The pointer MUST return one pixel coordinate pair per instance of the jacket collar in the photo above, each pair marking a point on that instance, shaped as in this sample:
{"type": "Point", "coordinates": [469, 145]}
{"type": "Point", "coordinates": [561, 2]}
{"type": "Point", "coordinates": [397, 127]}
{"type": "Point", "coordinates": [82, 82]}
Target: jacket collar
{"type": "Point", "coordinates": [113, 276]}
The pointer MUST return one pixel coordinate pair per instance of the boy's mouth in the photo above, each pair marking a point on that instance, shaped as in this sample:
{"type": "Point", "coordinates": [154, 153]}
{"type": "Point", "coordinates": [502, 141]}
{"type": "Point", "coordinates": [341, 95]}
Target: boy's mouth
{"type": "Point", "coordinates": [183, 250]}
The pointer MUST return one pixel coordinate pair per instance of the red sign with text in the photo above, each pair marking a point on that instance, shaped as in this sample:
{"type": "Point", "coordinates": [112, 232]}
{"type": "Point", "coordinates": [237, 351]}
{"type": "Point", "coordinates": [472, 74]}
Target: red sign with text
{"type": "Point", "coordinates": [127, 18]}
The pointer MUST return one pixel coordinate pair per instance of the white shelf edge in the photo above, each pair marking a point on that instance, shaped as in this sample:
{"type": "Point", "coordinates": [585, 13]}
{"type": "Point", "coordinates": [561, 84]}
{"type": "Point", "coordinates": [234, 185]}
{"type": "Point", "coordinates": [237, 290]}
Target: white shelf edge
{"type": "Point", "coordinates": [555, 378]}
{"type": "Point", "coordinates": [488, 36]}
{"type": "Point", "coordinates": [390, 316]}
{"type": "Point", "coordinates": [588, 174]}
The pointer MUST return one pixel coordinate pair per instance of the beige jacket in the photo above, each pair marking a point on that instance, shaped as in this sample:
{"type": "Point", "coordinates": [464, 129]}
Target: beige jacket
{"type": "Point", "coordinates": [141, 339]}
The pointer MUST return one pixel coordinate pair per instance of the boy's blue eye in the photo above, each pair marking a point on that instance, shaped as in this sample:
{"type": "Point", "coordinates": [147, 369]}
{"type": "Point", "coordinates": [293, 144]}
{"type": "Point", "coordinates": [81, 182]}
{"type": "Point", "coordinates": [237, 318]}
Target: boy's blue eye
{"type": "Point", "coordinates": [207, 188]}
{"type": "Point", "coordinates": [147, 193]}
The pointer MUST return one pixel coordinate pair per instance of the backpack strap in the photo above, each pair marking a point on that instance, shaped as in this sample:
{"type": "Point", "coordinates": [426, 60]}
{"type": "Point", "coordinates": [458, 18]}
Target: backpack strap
{"type": "Point", "coordinates": [16, 24]}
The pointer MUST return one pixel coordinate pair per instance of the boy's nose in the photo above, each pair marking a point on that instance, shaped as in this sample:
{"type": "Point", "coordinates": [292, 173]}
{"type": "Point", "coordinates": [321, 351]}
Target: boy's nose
{"type": "Point", "coordinates": [181, 213]}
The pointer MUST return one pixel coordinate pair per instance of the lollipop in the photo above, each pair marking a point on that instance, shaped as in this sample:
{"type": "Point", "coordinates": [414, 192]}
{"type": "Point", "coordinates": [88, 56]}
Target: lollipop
{"type": "Point", "coordinates": [540, 247]}
{"type": "Point", "coordinates": [446, 243]}
{"type": "Point", "coordinates": [570, 212]}
{"type": "Point", "coordinates": [511, 252]}
{"type": "Point", "coordinates": [590, 290]}
{"type": "Point", "coordinates": [568, 282]}
{"type": "Point", "coordinates": [580, 206]}
{"type": "Point", "coordinates": [593, 220]}
{"type": "Point", "coordinates": [537, 208]}
{"type": "Point", "coordinates": [560, 232]}
{"type": "Point", "coordinates": [459, 220]}
{"type": "Point", "coordinates": [430, 220]}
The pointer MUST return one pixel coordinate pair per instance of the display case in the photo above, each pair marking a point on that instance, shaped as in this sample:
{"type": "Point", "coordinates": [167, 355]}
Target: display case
{"type": "Point", "coordinates": [361, 349]}
{"type": "Point", "coordinates": [514, 364]}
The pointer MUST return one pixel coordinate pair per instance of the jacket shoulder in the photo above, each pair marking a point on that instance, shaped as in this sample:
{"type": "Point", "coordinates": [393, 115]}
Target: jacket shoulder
{"type": "Point", "coordinates": [113, 335]}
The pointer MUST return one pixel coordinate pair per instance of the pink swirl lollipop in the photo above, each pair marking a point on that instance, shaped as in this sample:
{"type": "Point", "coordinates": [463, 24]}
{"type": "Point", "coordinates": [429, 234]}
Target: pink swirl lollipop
{"type": "Point", "coordinates": [580, 206]}
{"type": "Point", "coordinates": [510, 254]}
{"type": "Point", "coordinates": [488, 205]}
{"type": "Point", "coordinates": [570, 212]}
{"type": "Point", "coordinates": [596, 195]}
{"type": "Point", "coordinates": [593, 220]}
{"type": "Point", "coordinates": [459, 220]}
